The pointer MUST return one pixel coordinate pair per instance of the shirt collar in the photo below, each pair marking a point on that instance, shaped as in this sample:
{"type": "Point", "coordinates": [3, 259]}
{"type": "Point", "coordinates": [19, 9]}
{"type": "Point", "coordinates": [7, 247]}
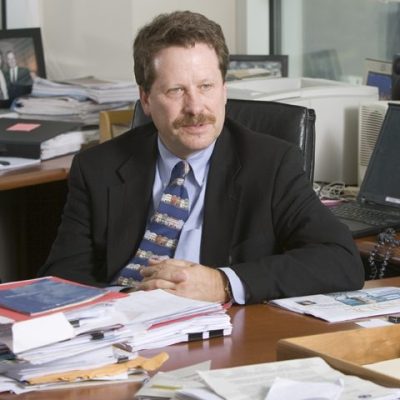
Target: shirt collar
{"type": "Point", "coordinates": [199, 162]}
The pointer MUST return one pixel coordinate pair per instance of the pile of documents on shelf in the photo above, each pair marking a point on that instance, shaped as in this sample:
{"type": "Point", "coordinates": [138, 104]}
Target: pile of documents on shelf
{"type": "Point", "coordinates": [54, 331]}
{"type": "Point", "coordinates": [81, 98]}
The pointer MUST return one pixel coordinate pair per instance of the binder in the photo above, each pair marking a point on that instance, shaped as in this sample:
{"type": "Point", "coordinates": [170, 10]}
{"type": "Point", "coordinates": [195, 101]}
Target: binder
{"type": "Point", "coordinates": [24, 137]}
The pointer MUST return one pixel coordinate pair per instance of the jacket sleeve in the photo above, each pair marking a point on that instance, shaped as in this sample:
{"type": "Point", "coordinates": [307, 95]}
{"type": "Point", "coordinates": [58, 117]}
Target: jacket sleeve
{"type": "Point", "coordinates": [315, 253]}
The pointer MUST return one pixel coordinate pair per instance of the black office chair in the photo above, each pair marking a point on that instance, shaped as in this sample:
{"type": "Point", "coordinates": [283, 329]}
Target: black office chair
{"type": "Point", "coordinates": [295, 124]}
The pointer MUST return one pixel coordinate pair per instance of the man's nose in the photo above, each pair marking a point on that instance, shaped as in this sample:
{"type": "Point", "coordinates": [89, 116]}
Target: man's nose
{"type": "Point", "coordinates": [193, 103]}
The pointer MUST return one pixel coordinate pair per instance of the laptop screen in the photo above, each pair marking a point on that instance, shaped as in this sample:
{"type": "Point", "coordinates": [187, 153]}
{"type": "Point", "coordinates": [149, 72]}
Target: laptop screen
{"type": "Point", "coordinates": [381, 183]}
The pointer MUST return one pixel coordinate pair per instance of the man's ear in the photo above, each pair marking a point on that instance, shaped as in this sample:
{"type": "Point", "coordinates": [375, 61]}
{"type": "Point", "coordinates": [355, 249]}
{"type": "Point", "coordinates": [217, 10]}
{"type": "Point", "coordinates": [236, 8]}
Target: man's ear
{"type": "Point", "coordinates": [144, 100]}
{"type": "Point", "coordinates": [225, 93]}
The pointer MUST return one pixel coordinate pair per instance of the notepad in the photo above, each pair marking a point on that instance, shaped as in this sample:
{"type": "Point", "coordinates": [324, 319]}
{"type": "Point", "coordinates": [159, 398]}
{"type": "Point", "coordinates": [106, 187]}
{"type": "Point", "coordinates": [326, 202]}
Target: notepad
{"type": "Point", "coordinates": [46, 294]}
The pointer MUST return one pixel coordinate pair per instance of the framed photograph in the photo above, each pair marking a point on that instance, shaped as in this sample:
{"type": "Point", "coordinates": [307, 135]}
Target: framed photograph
{"type": "Point", "coordinates": [3, 13]}
{"type": "Point", "coordinates": [21, 59]}
{"type": "Point", "coordinates": [250, 66]}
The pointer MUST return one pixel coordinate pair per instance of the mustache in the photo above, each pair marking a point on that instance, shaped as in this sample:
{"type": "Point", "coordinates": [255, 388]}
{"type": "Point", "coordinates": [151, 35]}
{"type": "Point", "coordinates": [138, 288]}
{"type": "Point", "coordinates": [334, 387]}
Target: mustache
{"type": "Point", "coordinates": [197, 119]}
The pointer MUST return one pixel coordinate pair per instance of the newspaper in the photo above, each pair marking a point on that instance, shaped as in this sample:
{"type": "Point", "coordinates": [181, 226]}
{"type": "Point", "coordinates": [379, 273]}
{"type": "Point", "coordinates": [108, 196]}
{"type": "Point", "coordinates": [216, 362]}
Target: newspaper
{"type": "Point", "coordinates": [345, 306]}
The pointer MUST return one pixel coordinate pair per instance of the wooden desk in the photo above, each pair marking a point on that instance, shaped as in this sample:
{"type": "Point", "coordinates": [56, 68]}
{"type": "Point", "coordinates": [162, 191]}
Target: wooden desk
{"type": "Point", "coordinates": [256, 331]}
{"type": "Point", "coordinates": [47, 171]}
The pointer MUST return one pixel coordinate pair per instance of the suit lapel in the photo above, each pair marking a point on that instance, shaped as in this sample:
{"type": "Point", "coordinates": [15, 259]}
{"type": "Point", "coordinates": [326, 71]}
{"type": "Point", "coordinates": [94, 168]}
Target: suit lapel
{"type": "Point", "coordinates": [129, 202]}
{"type": "Point", "coordinates": [220, 203]}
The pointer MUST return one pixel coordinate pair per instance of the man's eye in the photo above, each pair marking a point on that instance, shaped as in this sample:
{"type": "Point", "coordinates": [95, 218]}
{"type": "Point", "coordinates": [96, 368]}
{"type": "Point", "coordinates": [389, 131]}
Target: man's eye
{"type": "Point", "coordinates": [206, 86]}
{"type": "Point", "coordinates": [175, 91]}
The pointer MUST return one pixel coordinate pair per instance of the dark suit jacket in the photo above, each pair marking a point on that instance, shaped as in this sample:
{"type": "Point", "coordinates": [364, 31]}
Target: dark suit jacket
{"type": "Point", "coordinates": [22, 85]}
{"type": "Point", "coordinates": [261, 216]}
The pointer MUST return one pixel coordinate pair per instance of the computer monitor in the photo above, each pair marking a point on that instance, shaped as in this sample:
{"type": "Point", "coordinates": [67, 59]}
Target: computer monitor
{"type": "Point", "coordinates": [379, 73]}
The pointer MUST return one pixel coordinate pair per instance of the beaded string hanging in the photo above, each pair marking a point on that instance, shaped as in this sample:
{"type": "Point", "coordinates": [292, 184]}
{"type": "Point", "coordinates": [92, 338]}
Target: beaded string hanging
{"type": "Point", "coordinates": [382, 252]}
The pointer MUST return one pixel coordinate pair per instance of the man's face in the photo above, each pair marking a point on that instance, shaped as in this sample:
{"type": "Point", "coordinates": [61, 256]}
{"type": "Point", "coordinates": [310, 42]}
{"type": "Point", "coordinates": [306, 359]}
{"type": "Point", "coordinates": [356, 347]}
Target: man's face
{"type": "Point", "coordinates": [11, 60]}
{"type": "Point", "coordinates": [187, 99]}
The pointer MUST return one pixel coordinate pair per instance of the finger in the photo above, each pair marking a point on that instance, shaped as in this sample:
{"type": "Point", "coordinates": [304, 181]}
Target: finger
{"type": "Point", "coordinates": [172, 262]}
{"type": "Point", "coordinates": [149, 271]}
{"type": "Point", "coordinates": [152, 284]}
{"type": "Point", "coordinates": [175, 275]}
{"type": "Point", "coordinates": [157, 260]}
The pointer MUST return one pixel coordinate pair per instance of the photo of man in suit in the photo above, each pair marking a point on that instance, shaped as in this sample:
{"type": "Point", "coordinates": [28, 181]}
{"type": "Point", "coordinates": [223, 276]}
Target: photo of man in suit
{"type": "Point", "coordinates": [256, 230]}
{"type": "Point", "coordinates": [19, 79]}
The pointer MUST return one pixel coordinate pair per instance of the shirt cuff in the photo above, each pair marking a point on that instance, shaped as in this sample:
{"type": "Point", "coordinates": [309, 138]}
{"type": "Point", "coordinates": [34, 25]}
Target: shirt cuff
{"type": "Point", "coordinates": [237, 287]}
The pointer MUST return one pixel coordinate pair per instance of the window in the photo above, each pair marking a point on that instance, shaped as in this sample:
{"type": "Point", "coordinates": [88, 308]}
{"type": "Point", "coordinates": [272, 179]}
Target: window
{"type": "Point", "coordinates": [333, 38]}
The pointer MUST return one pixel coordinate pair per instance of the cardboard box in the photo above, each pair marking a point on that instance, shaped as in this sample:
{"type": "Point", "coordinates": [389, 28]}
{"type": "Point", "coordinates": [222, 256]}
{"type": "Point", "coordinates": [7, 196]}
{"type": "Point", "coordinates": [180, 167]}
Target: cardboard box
{"type": "Point", "coordinates": [348, 351]}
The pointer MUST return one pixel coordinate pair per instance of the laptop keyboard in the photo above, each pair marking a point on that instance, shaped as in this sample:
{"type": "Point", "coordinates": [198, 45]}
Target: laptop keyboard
{"type": "Point", "coordinates": [367, 215]}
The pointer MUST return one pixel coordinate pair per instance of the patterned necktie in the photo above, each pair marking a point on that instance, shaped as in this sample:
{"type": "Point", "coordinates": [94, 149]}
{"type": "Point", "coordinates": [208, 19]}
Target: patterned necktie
{"type": "Point", "coordinates": [164, 228]}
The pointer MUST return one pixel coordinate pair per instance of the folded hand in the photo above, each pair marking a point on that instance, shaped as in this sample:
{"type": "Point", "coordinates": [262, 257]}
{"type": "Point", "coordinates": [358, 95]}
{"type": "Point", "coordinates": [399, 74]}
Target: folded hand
{"type": "Point", "coordinates": [185, 278]}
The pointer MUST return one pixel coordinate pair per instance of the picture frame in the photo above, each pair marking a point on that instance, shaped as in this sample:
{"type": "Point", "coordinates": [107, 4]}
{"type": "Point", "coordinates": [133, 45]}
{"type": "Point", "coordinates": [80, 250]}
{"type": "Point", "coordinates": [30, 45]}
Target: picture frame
{"type": "Point", "coordinates": [21, 48]}
{"type": "Point", "coordinates": [3, 14]}
{"type": "Point", "coordinates": [247, 66]}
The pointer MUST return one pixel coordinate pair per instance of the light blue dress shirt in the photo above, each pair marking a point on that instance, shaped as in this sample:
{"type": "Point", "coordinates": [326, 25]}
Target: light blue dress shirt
{"type": "Point", "coordinates": [188, 247]}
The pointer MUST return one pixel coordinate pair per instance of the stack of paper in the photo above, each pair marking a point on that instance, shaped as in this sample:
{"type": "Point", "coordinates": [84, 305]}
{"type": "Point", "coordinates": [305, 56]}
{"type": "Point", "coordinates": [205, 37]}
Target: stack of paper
{"type": "Point", "coordinates": [54, 330]}
{"type": "Point", "coordinates": [97, 90]}
{"type": "Point", "coordinates": [64, 108]}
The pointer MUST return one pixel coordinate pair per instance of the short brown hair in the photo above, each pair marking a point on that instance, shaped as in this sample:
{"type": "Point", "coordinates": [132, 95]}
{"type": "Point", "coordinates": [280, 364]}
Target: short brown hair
{"type": "Point", "coordinates": [180, 28]}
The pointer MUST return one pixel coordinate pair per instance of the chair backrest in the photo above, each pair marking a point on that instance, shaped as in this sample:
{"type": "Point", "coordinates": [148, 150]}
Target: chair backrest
{"type": "Point", "coordinates": [113, 122]}
{"type": "Point", "coordinates": [293, 123]}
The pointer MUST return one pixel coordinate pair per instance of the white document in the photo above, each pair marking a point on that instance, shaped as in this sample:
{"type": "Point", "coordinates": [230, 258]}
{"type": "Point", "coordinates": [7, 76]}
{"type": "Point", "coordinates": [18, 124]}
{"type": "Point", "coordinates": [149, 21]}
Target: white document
{"type": "Point", "coordinates": [64, 143]}
{"type": "Point", "coordinates": [24, 335]}
{"type": "Point", "coordinates": [7, 163]}
{"type": "Point", "coordinates": [345, 306]}
{"type": "Point", "coordinates": [87, 360]}
{"type": "Point", "coordinates": [254, 381]}
{"type": "Point", "coordinates": [299, 390]}
{"type": "Point", "coordinates": [165, 384]}
{"type": "Point", "coordinates": [158, 306]}
{"type": "Point", "coordinates": [387, 367]}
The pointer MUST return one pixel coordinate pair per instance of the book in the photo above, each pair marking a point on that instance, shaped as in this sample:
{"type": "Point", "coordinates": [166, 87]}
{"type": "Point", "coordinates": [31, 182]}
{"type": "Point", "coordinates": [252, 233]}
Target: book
{"type": "Point", "coordinates": [46, 294]}
{"type": "Point", "coordinates": [26, 137]}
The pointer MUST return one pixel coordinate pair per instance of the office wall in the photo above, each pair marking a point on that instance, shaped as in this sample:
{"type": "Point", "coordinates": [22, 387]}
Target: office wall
{"type": "Point", "coordinates": [95, 36]}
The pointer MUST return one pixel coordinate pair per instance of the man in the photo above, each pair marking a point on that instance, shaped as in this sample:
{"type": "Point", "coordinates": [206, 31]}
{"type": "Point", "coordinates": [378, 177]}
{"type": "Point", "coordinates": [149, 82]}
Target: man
{"type": "Point", "coordinates": [18, 78]}
{"type": "Point", "coordinates": [255, 231]}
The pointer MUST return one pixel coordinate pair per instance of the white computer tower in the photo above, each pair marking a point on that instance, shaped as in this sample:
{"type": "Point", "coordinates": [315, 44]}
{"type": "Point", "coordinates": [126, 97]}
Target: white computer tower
{"type": "Point", "coordinates": [336, 105]}
{"type": "Point", "coordinates": [371, 116]}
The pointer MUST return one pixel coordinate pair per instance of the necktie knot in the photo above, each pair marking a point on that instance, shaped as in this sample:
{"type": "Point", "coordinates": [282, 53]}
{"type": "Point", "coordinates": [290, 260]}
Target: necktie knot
{"type": "Point", "coordinates": [179, 173]}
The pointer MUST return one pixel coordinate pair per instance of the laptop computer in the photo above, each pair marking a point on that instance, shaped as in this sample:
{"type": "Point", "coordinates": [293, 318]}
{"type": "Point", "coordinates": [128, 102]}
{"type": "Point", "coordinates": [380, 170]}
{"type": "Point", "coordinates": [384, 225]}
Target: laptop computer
{"type": "Point", "coordinates": [377, 206]}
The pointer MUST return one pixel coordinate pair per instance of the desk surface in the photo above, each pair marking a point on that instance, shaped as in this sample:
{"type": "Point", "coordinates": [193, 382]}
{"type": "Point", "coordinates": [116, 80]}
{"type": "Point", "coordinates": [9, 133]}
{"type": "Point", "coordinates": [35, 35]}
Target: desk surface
{"type": "Point", "coordinates": [52, 170]}
{"type": "Point", "coordinates": [256, 331]}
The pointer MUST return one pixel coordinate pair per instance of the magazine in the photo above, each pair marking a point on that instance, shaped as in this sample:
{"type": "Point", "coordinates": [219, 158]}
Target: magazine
{"type": "Point", "coordinates": [345, 306]}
